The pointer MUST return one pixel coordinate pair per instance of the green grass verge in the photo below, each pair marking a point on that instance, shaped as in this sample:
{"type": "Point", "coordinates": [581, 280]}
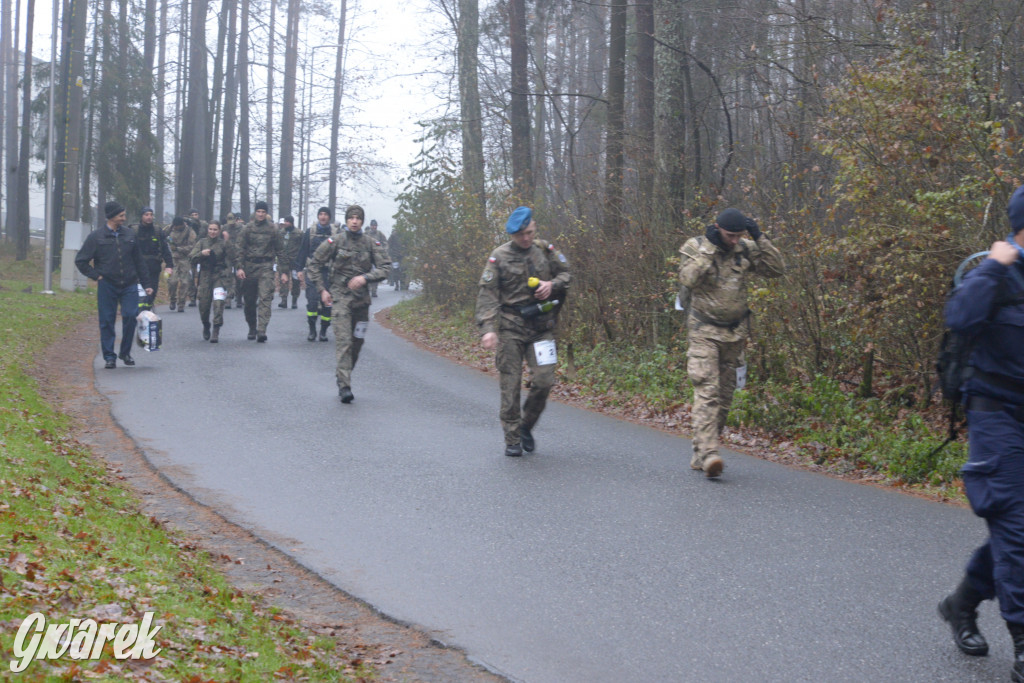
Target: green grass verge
{"type": "Point", "coordinates": [826, 425]}
{"type": "Point", "coordinates": [73, 544]}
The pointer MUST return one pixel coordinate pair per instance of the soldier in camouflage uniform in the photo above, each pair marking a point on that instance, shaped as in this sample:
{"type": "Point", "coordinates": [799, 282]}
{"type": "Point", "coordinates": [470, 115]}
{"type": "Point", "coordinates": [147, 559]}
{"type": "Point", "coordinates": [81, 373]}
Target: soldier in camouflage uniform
{"type": "Point", "coordinates": [258, 249]}
{"type": "Point", "coordinates": [232, 226]}
{"type": "Point", "coordinates": [505, 311]}
{"type": "Point", "coordinates": [181, 239]}
{"type": "Point", "coordinates": [351, 261]}
{"type": "Point", "coordinates": [210, 256]}
{"type": "Point", "coordinates": [288, 278]}
{"type": "Point", "coordinates": [199, 228]}
{"type": "Point", "coordinates": [377, 236]}
{"type": "Point", "coordinates": [714, 268]}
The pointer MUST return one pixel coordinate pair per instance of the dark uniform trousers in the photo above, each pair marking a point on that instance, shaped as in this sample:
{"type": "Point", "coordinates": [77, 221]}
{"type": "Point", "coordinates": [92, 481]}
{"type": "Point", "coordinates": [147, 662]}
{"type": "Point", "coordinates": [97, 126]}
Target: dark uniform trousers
{"type": "Point", "coordinates": [108, 298]}
{"type": "Point", "coordinates": [994, 482]}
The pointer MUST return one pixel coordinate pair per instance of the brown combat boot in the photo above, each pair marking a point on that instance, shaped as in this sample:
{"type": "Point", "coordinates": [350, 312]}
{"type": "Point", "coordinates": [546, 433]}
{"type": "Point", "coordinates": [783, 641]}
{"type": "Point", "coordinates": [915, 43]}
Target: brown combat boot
{"type": "Point", "coordinates": [713, 466]}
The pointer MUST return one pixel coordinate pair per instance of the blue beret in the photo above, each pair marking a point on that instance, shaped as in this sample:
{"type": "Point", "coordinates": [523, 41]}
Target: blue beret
{"type": "Point", "coordinates": [1015, 210]}
{"type": "Point", "coordinates": [519, 219]}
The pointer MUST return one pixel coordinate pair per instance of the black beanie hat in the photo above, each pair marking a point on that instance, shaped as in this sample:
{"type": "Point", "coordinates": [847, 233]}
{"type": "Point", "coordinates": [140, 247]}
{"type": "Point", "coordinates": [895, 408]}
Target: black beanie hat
{"type": "Point", "coordinates": [261, 205]}
{"type": "Point", "coordinates": [1015, 210]}
{"type": "Point", "coordinates": [356, 211]}
{"type": "Point", "coordinates": [732, 220]}
{"type": "Point", "coordinates": [324, 209]}
{"type": "Point", "coordinates": [177, 220]}
{"type": "Point", "coordinates": [112, 208]}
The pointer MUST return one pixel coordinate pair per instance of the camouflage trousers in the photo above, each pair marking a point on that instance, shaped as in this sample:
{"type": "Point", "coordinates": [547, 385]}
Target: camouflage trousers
{"type": "Point", "coordinates": [513, 349]}
{"type": "Point", "coordinates": [349, 325]}
{"type": "Point", "coordinates": [292, 286]}
{"type": "Point", "coordinates": [258, 291]}
{"type": "Point", "coordinates": [711, 365]}
{"type": "Point", "coordinates": [182, 285]}
{"type": "Point", "coordinates": [206, 302]}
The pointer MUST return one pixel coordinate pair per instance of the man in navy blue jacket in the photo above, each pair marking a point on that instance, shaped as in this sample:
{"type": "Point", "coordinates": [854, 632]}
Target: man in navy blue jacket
{"type": "Point", "coordinates": [111, 256]}
{"type": "Point", "coordinates": [989, 304]}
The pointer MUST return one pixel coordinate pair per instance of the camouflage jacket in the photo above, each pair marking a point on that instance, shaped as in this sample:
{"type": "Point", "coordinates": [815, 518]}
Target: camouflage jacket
{"type": "Point", "coordinates": [291, 240]}
{"type": "Point", "coordinates": [213, 265]}
{"type": "Point", "coordinates": [504, 286]}
{"type": "Point", "coordinates": [717, 280]}
{"type": "Point", "coordinates": [344, 256]}
{"type": "Point", "coordinates": [258, 245]}
{"type": "Point", "coordinates": [181, 239]}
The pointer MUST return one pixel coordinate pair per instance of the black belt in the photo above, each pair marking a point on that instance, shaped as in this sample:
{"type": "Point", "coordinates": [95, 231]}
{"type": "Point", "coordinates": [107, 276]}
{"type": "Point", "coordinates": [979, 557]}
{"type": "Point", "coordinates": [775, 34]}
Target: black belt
{"type": "Point", "coordinates": [984, 404]}
{"type": "Point", "coordinates": [260, 259]}
{"type": "Point", "coordinates": [718, 323]}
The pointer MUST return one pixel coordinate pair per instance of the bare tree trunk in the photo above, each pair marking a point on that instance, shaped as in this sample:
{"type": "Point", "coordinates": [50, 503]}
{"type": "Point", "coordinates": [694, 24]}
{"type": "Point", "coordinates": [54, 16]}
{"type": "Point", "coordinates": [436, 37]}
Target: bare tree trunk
{"type": "Point", "coordinates": [217, 107]}
{"type": "Point", "coordinates": [22, 225]}
{"type": "Point", "coordinates": [272, 30]}
{"type": "Point", "coordinates": [227, 184]}
{"type": "Point", "coordinates": [88, 216]}
{"type": "Point", "coordinates": [670, 118]}
{"type": "Point", "coordinates": [11, 74]}
{"type": "Point", "coordinates": [519, 114]}
{"type": "Point", "coordinates": [645, 100]}
{"type": "Point", "coordinates": [469, 101]}
{"type": "Point", "coordinates": [182, 175]}
{"type": "Point", "coordinates": [68, 113]}
{"type": "Point", "coordinates": [540, 54]}
{"type": "Point", "coordinates": [339, 88]}
{"type": "Point", "coordinates": [5, 55]}
{"type": "Point", "coordinates": [291, 56]}
{"type": "Point", "coordinates": [196, 136]}
{"type": "Point", "coordinates": [613, 216]}
{"type": "Point", "coordinates": [161, 122]}
{"type": "Point", "coordinates": [245, 194]}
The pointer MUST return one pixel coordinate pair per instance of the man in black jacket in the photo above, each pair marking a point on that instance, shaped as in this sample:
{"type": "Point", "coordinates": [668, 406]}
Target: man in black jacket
{"type": "Point", "coordinates": [111, 256]}
{"type": "Point", "coordinates": [154, 250]}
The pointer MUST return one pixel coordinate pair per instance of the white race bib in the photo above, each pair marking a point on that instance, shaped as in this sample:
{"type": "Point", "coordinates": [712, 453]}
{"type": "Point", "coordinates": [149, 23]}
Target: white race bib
{"type": "Point", "coordinates": [275, 267]}
{"type": "Point", "coordinates": [360, 331]}
{"type": "Point", "coordinates": [220, 294]}
{"type": "Point", "coordinates": [741, 376]}
{"type": "Point", "coordinates": [395, 264]}
{"type": "Point", "coordinates": [545, 352]}
{"type": "Point", "coordinates": [142, 290]}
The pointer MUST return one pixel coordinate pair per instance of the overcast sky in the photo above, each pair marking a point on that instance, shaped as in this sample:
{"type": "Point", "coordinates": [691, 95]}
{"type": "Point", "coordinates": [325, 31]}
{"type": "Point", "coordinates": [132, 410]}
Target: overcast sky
{"type": "Point", "coordinates": [395, 38]}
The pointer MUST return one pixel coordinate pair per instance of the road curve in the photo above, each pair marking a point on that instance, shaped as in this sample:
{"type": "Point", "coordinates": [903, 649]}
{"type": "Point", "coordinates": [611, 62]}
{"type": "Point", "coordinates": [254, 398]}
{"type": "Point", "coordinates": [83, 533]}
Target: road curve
{"type": "Point", "coordinates": [601, 557]}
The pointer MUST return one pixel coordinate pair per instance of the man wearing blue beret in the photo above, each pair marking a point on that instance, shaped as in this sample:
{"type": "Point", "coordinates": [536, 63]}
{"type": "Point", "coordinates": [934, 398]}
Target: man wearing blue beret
{"type": "Point", "coordinates": [522, 287]}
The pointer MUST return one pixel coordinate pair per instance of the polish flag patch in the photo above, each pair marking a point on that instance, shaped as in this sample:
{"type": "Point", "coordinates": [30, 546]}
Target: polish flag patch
{"type": "Point", "coordinates": [492, 260]}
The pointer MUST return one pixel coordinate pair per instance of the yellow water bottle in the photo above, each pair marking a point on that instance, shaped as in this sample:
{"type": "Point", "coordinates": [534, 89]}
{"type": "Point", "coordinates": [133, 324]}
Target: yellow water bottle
{"type": "Point", "coordinates": [533, 282]}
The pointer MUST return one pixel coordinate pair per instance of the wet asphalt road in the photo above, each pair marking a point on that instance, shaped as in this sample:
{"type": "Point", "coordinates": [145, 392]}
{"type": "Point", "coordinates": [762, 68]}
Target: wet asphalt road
{"type": "Point", "coordinates": [601, 557]}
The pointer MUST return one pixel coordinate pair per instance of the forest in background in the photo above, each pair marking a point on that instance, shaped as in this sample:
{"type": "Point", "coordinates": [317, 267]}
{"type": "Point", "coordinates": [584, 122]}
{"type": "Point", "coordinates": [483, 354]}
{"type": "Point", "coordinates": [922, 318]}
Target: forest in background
{"type": "Point", "coordinates": [876, 143]}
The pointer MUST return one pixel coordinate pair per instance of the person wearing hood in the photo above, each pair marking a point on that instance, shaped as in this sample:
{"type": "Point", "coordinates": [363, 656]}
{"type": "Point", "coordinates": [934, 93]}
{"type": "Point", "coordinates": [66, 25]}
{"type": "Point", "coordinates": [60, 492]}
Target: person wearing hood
{"type": "Point", "coordinates": [287, 275]}
{"type": "Point", "coordinates": [989, 306]}
{"type": "Point", "coordinates": [112, 257]}
{"type": "Point", "coordinates": [258, 249]}
{"type": "Point", "coordinates": [312, 238]}
{"type": "Point", "coordinates": [715, 268]}
{"type": "Point", "coordinates": [155, 251]}
{"type": "Point", "coordinates": [180, 239]}
{"type": "Point", "coordinates": [340, 270]}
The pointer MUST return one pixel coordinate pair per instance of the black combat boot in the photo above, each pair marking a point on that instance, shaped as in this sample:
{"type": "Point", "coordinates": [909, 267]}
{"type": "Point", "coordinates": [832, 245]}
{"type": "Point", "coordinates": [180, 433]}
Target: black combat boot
{"type": "Point", "coordinates": [284, 302]}
{"type": "Point", "coordinates": [513, 450]}
{"type": "Point", "coordinates": [323, 329]}
{"type": "Point", "coordinates": [192, 304]}
{"type": "Point", "coordinates": [345, 394]}
{"type": "Point", "coordinates": [526, 438]}
{"type": "Point", "coordinates": [206, 331]}
{"type": "Point", "coordinates": [1017, 633]}
{"type": "Point", "coordinates": [215, 337]}
{"type": "Point", "coordinates": [295, 301]}
{"type": "Point", "coordinates": [252, 332]}
{"type": "Point", "coordinates": [312, 328]}
{"type": "Point", "coordinates": [959, 609]}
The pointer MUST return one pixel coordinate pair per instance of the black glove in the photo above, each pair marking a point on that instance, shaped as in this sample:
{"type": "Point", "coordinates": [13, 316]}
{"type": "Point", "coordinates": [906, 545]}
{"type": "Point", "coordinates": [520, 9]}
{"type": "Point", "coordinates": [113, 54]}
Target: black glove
{"type": "Point", "coordinates": [752, 229]}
